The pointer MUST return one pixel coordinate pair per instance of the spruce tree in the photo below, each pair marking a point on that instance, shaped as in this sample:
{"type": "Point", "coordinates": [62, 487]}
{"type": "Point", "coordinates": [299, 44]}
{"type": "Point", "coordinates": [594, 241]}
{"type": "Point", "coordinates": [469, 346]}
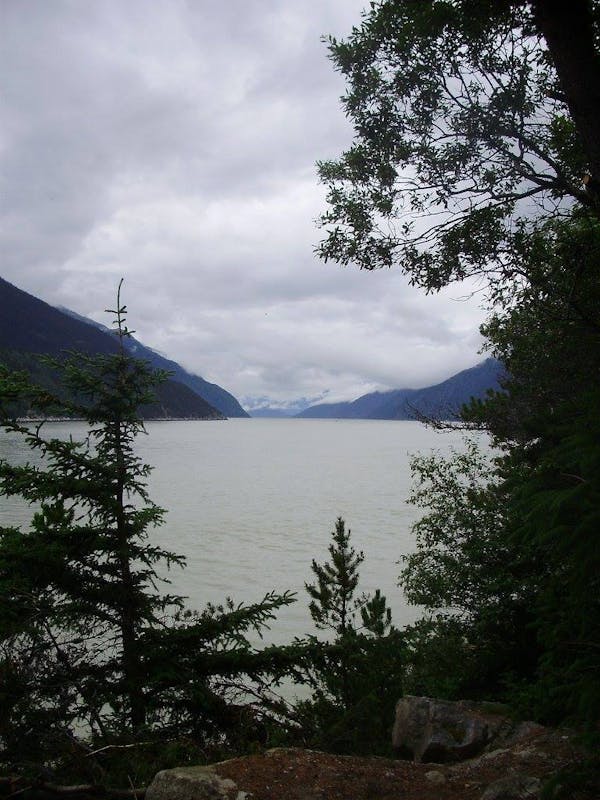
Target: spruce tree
{"type": "Point", "coordinates": [333, 601]}
{"type": "Point", "coordinates": [87, 639]}
{"type": "Point", "coordinates": [357, 676]}
{"type": "Point", "coordinates": [85, 573]}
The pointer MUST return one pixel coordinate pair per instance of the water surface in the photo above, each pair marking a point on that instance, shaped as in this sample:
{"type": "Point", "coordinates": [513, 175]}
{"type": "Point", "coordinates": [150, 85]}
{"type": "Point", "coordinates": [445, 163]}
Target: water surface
{"type": "Point", "coordinates": [252, 501]}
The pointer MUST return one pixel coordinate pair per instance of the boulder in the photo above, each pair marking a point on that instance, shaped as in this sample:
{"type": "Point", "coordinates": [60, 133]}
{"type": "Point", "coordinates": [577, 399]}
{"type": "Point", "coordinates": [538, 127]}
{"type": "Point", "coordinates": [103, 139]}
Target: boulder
{"type": "Point", "coordinates": [513, 787]}
{"type": "Point", "coordinates": [192, 783]}
{"type": "Point", "coordinates": [441, 731]}
{"type": "Point", "coordinates": [435, 776]}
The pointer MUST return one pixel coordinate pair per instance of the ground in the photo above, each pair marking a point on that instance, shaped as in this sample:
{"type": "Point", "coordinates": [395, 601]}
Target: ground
{"type": "Point", "coordinates": [294, 774]}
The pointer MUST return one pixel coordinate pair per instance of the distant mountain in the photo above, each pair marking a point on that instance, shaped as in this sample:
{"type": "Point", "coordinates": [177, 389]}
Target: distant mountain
{"type": "Point", "coordinates": [264, 407]}
{"type": "Point", "coordinates": [173, 399]}
{"type": "Point", "coordinates": [271, 413]}
{"type": "Point", "coordinates": [30, 327]}
{"type": "Point", "coordinates": [442, 401]}
{"type": "Point", "coordinates": [211, 392]}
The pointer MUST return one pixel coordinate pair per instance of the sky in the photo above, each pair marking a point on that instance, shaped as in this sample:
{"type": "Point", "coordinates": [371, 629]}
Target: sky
{"type": "Point", "coordinates": [173, 144]}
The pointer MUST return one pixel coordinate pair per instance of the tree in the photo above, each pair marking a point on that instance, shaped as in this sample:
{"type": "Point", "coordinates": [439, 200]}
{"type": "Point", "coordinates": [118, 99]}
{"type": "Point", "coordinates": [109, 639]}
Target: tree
{"type": "Point", "coordinates": [86, 567]}
{"type": "Point", "coordinates": [477, 154]}
{"type": "Point", "coordinates": [464, 135]}
{"type": "Point", "coordinates": [546, 425]}
{"type": "Point", "coordinates": [333, 605]}
{"type": "Point", "coordinates": [356, 678]}
{"type": "Point", "coordinates": [476, 589]}
{"type": "Point", "coordinates": [507, 558]}
{"type": "Point", "coordinates": [548, 337]}
{"type": "Point", "coordinates": [86, 637]}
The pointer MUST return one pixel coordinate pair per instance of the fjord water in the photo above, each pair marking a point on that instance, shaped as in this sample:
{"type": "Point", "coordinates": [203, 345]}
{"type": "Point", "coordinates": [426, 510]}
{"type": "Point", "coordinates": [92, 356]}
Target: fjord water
{"type": "Point", "coordinates": [252, 501]}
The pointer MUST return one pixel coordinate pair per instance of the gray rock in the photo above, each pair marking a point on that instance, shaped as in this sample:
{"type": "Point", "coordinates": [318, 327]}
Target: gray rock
{"type": "Point", "coordinates": [441, 731]}
{"type": "Point", "coordinates": [191, 783]}
{"type": "Point", "coordinates": [492, 755]}
{"type": "Point", "coordinates": [513, 787]}
{"type": "Point", "coordinates": [524, 730]}
{"type": "Point", "coordinates": [435, 776]}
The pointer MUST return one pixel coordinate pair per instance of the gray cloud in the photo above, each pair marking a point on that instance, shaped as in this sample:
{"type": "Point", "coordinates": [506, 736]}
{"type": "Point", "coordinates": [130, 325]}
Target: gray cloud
{"type": "Point", "coordinates": [174, 144]}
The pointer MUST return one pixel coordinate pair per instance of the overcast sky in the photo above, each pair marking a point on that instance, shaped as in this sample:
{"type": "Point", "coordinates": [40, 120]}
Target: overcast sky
{"type": "Point", "coordinates": [173, 143]}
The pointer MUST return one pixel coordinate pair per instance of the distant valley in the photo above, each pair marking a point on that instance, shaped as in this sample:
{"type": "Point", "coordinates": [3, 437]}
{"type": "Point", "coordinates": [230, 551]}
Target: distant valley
{"type": "Point", "coordinates": [30, 327]}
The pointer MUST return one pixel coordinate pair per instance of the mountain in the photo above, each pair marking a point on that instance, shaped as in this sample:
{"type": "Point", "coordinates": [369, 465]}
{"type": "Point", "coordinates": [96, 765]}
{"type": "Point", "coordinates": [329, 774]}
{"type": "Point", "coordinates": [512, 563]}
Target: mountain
{"type": "Point", "coordinates": [365, 407]}
{"type": "Point", "coordinates": [270, 413]}
{"type": "Point", "coordinates": [211, 392]}
{"type": "Point", "coordinates": [218, 397]}
{"type": "Point", "coordinates": [442, 401]}
{"type": "Point", "coordinates": [30, 327]}
{"type": "Point", "coordinates": [264, 407]}
{"type": "Point", "coordinates": [173, 399]}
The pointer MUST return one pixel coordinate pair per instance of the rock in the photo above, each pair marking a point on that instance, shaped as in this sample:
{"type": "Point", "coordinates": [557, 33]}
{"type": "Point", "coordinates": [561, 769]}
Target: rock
{"type": "Point", "coordinates": [441, 730]}
{"type": "Point", "coordinates": [191, 783]}
{"type": "Point", "coordinates": [513, 787]}
{"type": "Point", "coordinates": [492, 755]}
{"type": "Point", "coordinates": [435, 776]}
{"type": "Point", "coordinates": [524, 730]}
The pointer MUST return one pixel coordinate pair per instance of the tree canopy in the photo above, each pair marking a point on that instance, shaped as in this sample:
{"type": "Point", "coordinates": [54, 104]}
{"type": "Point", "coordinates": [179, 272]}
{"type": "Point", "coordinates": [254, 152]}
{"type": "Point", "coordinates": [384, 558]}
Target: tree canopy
{"type": "Point", "coordinates": [471, 125]}
{"type": "Point", "coordinates": [477, 154]}
{"type": "Point", "coordinates": [90, 638]}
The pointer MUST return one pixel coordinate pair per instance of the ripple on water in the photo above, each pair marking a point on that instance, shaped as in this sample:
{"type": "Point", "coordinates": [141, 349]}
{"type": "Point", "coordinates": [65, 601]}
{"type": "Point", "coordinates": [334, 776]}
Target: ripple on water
{"type": "Point", "coordinates": [251, 502]}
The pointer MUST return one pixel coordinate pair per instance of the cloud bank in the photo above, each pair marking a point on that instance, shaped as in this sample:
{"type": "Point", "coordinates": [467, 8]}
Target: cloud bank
{"type": "Point", "coordinates": [173, 144]}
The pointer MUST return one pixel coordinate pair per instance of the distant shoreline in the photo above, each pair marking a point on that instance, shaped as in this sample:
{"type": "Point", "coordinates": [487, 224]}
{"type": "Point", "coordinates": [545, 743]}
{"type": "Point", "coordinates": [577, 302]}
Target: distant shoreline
{"type": "Point", "coordinates": [146, 419]}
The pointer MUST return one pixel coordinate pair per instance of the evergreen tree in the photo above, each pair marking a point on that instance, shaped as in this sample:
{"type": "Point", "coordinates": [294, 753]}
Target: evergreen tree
{"type": "Point", "coordinates": [85, 573]}
{"type": "Point", "coordinates": [332, 606]}
{"type": "Point", "coordinates": [86, 637]}
{"type": "Point", "coordinates": [356, 678]}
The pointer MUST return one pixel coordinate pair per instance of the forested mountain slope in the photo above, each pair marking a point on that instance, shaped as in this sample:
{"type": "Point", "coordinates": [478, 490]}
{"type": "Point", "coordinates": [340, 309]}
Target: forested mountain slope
{"type": "Point", "coordinates": [211, 392]}
{"type": "Point", "coordinates": [29, 327]}
{"type": "Point", "coordinates": [442, 401]}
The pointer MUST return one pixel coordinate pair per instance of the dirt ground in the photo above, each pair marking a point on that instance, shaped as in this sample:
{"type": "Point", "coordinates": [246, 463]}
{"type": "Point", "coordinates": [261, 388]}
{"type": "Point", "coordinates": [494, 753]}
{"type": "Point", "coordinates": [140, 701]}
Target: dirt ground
{"type": "Point", "coordinates": [293, 774]}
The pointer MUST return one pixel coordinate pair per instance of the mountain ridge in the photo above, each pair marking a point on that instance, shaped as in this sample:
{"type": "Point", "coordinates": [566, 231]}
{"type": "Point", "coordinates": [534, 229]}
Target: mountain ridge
{"type": "Point", "coordinates": [214, 394]}
{"type": "Point", "coordinates": [441, 401]}
{"type": "Point", "coordinates": [30, 328]}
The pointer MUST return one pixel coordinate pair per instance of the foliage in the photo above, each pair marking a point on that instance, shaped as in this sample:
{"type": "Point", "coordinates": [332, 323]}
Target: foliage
{"type": "Point", "coordinates": [475, 122]}
{"type": "Point", "coordinates": [356, 678]}
{"type": "Point", "coordinates": [461, 130]}
{"type": "Point", "coordinates": [550, 343]}
{"type": "Point", "coordinates": [476, 632]}
{"type": "Point", "coordinates": [558, 511]}
{"type": "Point", "coordinates": [459, 127]}
{"type": "Point", "coordinates": [510, 551]}
{"type": "Point", "coordinates": [88, 642]}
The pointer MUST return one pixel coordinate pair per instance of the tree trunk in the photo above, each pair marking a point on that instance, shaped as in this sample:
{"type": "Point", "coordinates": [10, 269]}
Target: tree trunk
{"type": "Point", "coordinates": [568, 28]}
{"type": "Point", "coordinates": [131, 655]}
